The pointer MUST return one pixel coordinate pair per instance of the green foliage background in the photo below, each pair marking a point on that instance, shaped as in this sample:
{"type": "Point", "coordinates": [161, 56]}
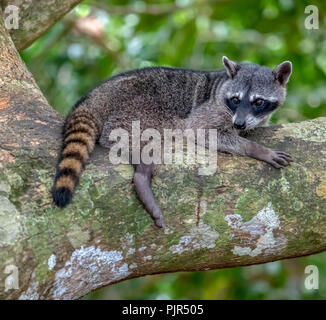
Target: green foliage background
{"type": "Point", "coordinates": [101, 38]}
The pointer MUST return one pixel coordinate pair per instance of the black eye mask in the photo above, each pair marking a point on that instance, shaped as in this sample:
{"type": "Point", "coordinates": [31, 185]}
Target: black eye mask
{"type": "Point", "coordinates": [265, 108]}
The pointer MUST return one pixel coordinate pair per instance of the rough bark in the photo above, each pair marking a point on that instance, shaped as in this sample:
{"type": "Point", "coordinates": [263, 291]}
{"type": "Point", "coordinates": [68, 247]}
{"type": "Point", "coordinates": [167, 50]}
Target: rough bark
{"type": "Point", "coordinates": [36, 17]}
{"type": "Point", "coordinates": [246, 213]}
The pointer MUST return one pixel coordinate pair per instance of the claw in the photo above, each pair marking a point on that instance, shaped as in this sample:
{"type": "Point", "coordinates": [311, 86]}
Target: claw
{"type": "Point", "coordinates": [276, 165]}
{"type": "Point", "coordinates": [281, 161]}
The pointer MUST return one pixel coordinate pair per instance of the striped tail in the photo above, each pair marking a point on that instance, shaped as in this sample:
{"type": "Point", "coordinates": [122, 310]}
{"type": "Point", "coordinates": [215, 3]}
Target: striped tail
{"type": "Point", "coordinates": [81, 131]}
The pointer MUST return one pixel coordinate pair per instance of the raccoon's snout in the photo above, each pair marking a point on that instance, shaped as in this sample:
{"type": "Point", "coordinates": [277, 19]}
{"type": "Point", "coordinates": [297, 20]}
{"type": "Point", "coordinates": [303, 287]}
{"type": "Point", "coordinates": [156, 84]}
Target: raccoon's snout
{"type": "Point", "coordinates": [239, 124]}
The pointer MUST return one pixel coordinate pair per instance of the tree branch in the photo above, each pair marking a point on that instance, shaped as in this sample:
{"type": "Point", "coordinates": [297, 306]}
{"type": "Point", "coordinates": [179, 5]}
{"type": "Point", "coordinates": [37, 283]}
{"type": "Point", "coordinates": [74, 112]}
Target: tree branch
{"type": "Point", "coordinates": [247, 213]}
{"type": "Point", "coordinates": [36, 17]}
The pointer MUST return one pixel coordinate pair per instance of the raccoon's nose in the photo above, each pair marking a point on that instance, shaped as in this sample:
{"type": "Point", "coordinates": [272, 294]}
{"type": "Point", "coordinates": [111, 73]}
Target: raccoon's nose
{"type": "Point", "coordinates": [239, 124]}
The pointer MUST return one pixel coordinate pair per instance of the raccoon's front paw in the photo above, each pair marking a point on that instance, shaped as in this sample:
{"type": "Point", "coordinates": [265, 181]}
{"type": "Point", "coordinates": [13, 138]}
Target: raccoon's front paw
{"type": "Point", "coordinates": [278, 159]}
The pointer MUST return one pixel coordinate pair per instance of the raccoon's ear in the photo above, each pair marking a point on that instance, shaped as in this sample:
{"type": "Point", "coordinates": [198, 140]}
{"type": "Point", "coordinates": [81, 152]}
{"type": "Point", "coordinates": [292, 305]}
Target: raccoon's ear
{"type": "Point", "coordinates": [282, 72]}
{"type": "Point", "coordinates": [230, 66]}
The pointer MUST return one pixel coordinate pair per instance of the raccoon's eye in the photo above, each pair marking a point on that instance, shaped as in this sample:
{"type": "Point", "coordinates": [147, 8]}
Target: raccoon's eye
{"type": "Point", "coordinates": [259, 102]}
{"type": "Point", "coordinates": [235, 100]}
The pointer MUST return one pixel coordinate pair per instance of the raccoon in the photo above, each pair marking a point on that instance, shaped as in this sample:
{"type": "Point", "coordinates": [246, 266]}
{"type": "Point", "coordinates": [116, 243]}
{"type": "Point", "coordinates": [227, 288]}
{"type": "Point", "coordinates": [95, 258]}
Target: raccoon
{"type": "Point", "coordinates": [238, 98]}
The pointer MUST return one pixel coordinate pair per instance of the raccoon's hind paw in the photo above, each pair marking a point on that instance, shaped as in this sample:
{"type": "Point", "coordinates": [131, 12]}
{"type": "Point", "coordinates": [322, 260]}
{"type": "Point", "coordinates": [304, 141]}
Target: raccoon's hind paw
{"type": "Point", "coordinates": [159, 222]}
{"type": "Point", "coordinates": [62, 196]}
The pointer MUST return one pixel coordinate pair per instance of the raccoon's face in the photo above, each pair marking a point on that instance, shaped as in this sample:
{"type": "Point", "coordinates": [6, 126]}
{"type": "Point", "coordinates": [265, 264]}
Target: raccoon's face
{"type": "Point", "coordinates": [254, 92]}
